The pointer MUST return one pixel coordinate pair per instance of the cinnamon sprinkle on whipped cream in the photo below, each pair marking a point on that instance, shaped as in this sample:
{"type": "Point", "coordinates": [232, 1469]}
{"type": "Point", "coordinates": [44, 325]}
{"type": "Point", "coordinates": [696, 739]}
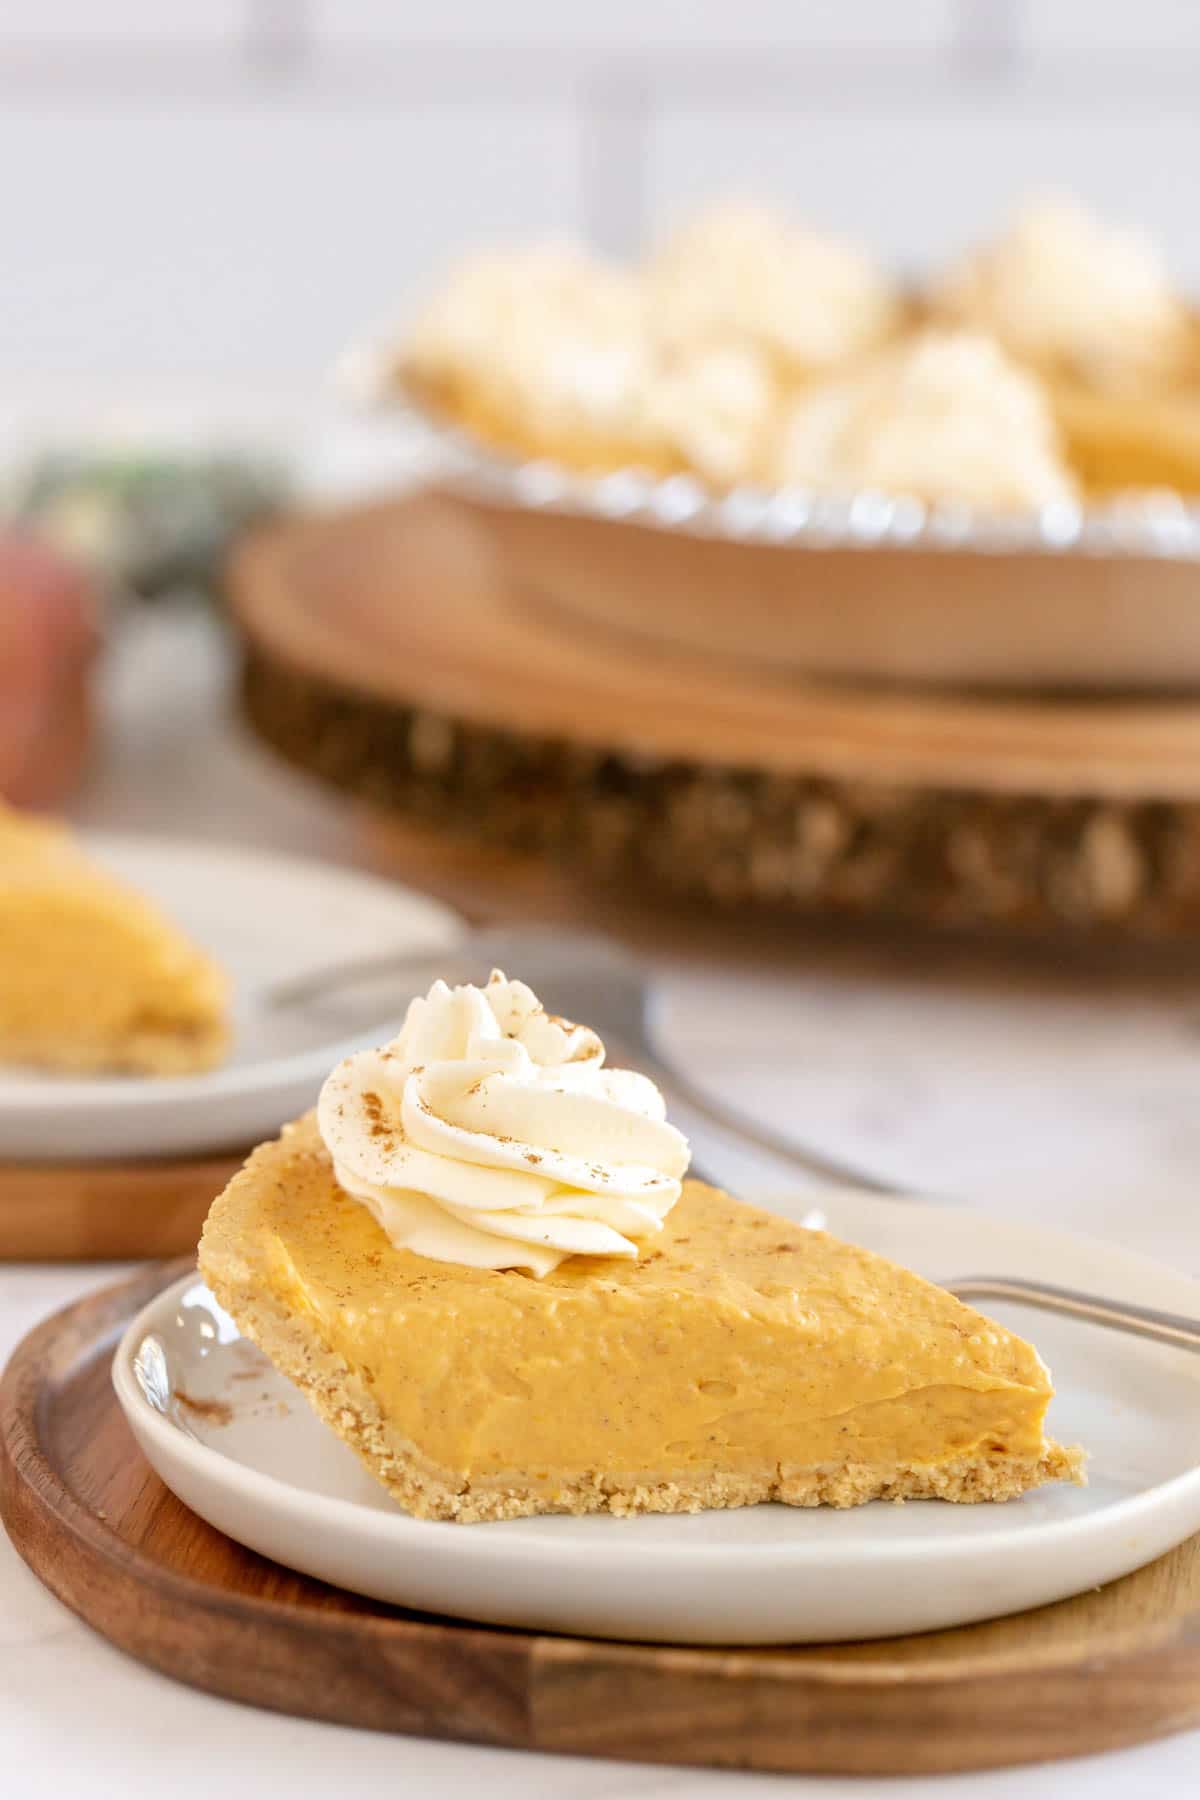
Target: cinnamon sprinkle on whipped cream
{"type": "Point", "coordinates": [490, 1133]}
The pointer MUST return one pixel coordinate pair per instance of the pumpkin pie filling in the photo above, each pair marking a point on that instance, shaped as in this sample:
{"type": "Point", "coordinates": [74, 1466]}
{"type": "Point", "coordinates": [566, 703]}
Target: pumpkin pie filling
{"type": "Point", "coordinates": [733, 1358]}
{"type": "Point", "coordinates": [93, 977]}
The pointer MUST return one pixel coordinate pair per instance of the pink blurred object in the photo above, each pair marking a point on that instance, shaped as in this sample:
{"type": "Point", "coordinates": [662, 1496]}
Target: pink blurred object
{"type": "Point", "coordinates": [48, 636]}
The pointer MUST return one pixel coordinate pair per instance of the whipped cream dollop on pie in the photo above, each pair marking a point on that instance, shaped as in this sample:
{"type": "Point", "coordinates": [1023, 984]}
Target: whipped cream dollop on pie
{"type": "Point", "coordinates": [556, 352]}
{"type": "Point", "coordinates": [946, 416]}
{"type": "Point", "coordinates": [711, 405]}
{"type": "Point", "coordinates": [1070, 293]}
{"type": "Point", "coordinates": [490, 1133]}
{"type": "Point", "coordinates": [741, 274]}
{"type": "Point", "coordinates": [550, 338]}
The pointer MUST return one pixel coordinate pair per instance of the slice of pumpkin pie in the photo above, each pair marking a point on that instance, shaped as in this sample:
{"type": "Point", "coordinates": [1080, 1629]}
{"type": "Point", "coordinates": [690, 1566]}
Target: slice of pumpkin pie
{"type": "Point", "coordinates": [482, 1265]}
{"type": "Point", "coordinates": [93, 977]}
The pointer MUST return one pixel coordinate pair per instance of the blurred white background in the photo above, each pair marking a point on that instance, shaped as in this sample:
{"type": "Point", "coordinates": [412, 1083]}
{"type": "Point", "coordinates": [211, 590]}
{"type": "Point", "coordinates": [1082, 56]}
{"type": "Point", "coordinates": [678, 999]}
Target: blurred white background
{"type": "Point", "coordinates": [201, 200]}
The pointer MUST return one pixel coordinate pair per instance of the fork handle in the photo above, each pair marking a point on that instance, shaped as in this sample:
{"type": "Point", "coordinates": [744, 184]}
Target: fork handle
{"type": "Point", "coordinates": [1141, 1321]}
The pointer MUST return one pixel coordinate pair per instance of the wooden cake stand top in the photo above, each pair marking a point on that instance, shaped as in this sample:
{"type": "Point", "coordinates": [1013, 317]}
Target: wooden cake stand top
{"type": "Point", "coordinates": [407, 602]}
{"type": "Point", "coordinates": [410, 654]}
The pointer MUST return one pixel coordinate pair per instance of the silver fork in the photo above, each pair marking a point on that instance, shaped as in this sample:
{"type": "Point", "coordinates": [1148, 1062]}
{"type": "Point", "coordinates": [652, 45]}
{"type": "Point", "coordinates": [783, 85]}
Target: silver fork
{"type": "Point", "coordinates": [1094, 1309]}
{"type": "Point", "coordinates": [595, 980]}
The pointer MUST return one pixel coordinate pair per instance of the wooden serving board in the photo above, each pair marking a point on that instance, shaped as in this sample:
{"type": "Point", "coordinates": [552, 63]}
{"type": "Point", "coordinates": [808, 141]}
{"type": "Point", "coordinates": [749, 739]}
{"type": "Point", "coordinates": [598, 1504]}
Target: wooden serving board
{"type": "Point", "coordinates": [82, 1212]}
{"type": "Point", "coordinates": [394, 651]}
{"type": "Point", "coordinates": [1111, 1668]}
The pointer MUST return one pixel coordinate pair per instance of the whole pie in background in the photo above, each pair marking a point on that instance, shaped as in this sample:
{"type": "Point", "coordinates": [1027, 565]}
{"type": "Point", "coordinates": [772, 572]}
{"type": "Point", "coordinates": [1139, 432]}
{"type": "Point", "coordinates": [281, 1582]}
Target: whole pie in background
{"type": "Point", "coordinates": [750, 349]}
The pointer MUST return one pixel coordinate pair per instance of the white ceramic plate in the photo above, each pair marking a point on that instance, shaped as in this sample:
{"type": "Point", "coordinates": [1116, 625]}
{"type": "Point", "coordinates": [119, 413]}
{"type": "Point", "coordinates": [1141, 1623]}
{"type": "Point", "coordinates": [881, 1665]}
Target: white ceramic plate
{"type": "Point", "coordinates": [240, 1446]}
{"type": "Point", "coordinates": [264, 918]}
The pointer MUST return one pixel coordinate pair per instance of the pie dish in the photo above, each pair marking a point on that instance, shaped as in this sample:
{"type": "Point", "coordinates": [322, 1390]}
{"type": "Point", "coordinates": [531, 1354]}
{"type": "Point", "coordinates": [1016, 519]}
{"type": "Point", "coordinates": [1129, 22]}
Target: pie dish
{"type": "Point", "coordinates": [504, 1321]}
{"type": "Point", "coordinates": [878, 517]}
{"type": "Point", "coordinates": [93, 976]}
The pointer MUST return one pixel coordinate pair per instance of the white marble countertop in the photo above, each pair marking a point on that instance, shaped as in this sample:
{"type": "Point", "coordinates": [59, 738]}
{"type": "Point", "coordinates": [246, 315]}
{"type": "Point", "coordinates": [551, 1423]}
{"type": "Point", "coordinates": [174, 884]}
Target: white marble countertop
{"type": "Point", "coordinates": [1057, 1089]}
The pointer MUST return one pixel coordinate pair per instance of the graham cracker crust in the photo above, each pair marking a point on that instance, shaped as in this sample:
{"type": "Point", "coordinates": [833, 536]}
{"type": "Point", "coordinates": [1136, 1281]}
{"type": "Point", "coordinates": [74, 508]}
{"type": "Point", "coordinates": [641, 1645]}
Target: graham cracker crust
{"type": "Point", "coordinates": [153, 1053]}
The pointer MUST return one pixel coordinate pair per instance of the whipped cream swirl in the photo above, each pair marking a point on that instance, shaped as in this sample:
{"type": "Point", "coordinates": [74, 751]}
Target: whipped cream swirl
{"type": "Point", "coordinates": [946, 416]}
{"type": "Point", "coordinates": [1062, 287]}
{"type": "Point", "coordinates": [490, 1133]}
{"type": "Point", "coordinates": [743, 274]}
